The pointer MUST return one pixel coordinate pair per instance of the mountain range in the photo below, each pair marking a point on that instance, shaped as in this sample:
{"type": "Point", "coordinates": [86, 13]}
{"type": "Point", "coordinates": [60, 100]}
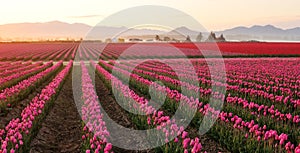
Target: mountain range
{"type": "Point", "coordinates": [57, 30]}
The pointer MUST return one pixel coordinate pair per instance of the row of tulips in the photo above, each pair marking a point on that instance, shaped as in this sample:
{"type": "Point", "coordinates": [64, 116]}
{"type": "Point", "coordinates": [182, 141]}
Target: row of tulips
{"type": "Point", "coordinates": [19, 67]}
{"type": "Point", "coordinates": [9, 96]}
{"type": "Point", "coordinates": [256, 109]}
{"type": "Point", "coordinates": [5, 64]}
{"type": "Point", "coordinates": [274, 73]}
{"type": "Point", "coordinates": [95, 131]}
{"type": "Point", "coordinates": [9, 65]}
{"type": "Point", "coordinates": [16, 136]}
{"type": "Point", "coordinates": [201, 110]}
{"type": "Point", "coordinates": [176, 85]}
{"type": "Point", "coordinates": [154, 119]}
{"type": "Point", "coordinates": [263, 110]}
{"type": "Point", "coordinates": [280, 79]}
{"type": "Point", "coordinates": [39, 51]}
{"type": "Point", "coordinates": [15, 78]}
{"type": "Point", "coordinates": [281, 84]}
{"type": "Point", "coordinates": [205, 92]}
{"type": "Point", "coordinates": [57, 55]}
{"type": "Point", "coordinates": [251, 106]}
{"type": "Point", "coordinates": [263, 113]}
{"type": "Point", "coordinates": [271, 111]}
{"type": "Point", "coordinates": [71, 53]}
{"type": "Point", "coordinates": [283, 95]}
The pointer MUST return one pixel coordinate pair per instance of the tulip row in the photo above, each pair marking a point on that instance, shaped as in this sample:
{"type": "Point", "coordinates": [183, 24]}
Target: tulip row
{"type": "Point", "coordinates": [95, 132]}
{"type": "Point", "coordinates": [175, 84]}
{"type": "Point", "coordinates": [9, 96]}
{"type": "Point", "coordinates": [275, 73]}
{"type": "Point", "coordinates": [280, 78]}
{"type": "Point", "coordinates": [271, 111]}
{"type": "Point", "coordinates": [255, 109]}
{"type": "Point", "coordinates": [235, 74]}
{"type": "Point", "coordinates": [16, 136]}
{"type": "Point", "coordinates": [12, 66]}
{"type": "Point", "coordinates": [147, 82]}
{"type": "Point", "coordinates": [164, 50]}
{"type": "Point", "coordinates": [247, 105]}
{"type": "Point", "coordinates": [283, 95]}
{"type": "Point", "coordinates": [15, 78]}
{"type": "Point", "coordinates": [9, 65]}
{"type": "Point", "coordinates": [39, 51]}
{"type": "Point", "coordinates": [18, 68]}
{"type": "Point", "coordinates": [163, 123]}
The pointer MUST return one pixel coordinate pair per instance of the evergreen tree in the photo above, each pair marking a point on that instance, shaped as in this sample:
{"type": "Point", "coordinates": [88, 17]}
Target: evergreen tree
{"type": "Point", "coordinates": [188, 39]}
{"type": "Point", "coordinates": [157, 38]}
{"type": "Point", "coordinates": [199, 37]}
{"type": "Point", "coordinates": [211, 37]}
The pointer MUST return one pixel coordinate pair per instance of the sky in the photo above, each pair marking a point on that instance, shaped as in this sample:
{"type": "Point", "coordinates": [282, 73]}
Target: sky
{"type": "Point", "coordinates": [212, 14]}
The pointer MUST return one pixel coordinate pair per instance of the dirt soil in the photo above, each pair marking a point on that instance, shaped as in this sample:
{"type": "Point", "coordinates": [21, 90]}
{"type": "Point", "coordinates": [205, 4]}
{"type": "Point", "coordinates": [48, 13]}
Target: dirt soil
{"type": "Point", "coordinates": [61, 130]}
{"type": "Point", "coordinates": [117, 114]}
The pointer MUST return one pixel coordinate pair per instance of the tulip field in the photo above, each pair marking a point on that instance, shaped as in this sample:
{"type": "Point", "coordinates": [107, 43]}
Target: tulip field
{"type": "Point", "coordinates": [67, 51]}
{"type": "Point", "coordinates": [38, 112]}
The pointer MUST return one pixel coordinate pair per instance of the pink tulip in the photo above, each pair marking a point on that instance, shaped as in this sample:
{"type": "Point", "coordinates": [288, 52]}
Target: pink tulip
{"type": "Point", "coordinates": [184, 134]}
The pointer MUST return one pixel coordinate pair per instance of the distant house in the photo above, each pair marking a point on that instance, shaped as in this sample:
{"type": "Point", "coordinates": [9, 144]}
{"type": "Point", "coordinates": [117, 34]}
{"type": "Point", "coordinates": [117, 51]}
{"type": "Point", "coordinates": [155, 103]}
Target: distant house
{"type": "Point", "coordinates": [121, 40]}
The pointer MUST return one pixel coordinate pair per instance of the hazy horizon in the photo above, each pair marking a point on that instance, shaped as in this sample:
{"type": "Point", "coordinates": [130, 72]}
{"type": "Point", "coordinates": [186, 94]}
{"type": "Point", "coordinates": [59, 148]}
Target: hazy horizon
{"type": "Point", "coordinates": [58, 30]}
{"type": "Point", "coordinates": [212, 14]}
{"type": "Point", "coordinates": [248, 26]}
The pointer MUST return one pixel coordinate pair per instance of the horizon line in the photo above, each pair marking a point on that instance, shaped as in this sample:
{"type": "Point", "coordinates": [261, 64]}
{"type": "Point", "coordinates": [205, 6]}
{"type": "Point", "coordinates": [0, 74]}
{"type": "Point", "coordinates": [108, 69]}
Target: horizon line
{"type": "Point", "coordinates": [249, 26]}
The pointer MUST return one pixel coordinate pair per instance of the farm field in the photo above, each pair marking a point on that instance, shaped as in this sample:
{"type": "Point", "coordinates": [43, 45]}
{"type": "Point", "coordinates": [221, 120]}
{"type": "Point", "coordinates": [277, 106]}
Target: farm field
{"type": "Point", "coordinates": [67, 51]}
{"type": "Point", "coordinates": [38, 112]}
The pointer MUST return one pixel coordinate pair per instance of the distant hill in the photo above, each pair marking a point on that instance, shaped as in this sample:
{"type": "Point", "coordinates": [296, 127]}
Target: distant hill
{"type": "Point", "coordinates": [48, 30]}
{"type": "Point", "coordinates": [182, 32]}
{"type": "Point", "coordinates": [265, 33]}
{"type": "Point", "coordinates": [260, 33]}
{"type": "Point", "coordinates": [103, 32]}
{"type": "Point", "coordinates": [61, 30]}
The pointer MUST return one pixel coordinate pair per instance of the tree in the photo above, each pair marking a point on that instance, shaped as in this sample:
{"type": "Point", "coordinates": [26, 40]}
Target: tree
{"type": "Point", "coordinates": [211, 37]}
{"type": "Point", "coordinates": [167, 39]}
{"type": "Point", "coordinates": [221, 38]}
{"type": "Point", "coordinates": [157, 38]}
{"type": "Point", "coordinates": [199, 37]}
{"type": "Point", "coordinates": [188, 39]}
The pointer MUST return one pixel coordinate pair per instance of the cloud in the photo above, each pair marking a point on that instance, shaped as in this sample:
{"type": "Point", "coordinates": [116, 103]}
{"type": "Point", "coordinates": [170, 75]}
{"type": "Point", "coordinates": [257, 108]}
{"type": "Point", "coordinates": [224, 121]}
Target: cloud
{"type": "Point", "coordinates": [86, 16]}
